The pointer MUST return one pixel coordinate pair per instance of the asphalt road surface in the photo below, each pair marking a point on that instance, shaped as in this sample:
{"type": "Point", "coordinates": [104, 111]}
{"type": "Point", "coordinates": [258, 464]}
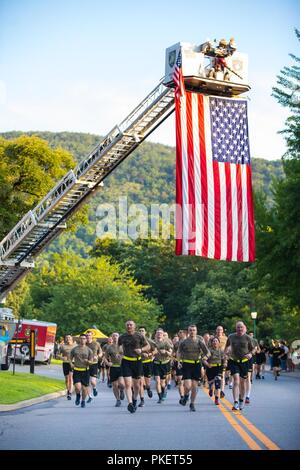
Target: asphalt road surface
{"type": "Point", "coordinates": [270, 422]}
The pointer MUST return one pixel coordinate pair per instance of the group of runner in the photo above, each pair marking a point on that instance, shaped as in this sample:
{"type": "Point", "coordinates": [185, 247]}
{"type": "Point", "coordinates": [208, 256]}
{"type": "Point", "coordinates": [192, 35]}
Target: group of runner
{"type": "Point", "coordinates": [133, 359]}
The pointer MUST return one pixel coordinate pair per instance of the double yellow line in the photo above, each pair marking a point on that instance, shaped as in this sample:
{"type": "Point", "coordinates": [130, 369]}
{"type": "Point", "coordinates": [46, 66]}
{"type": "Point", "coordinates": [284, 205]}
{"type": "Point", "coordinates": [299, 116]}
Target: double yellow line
{"type": "Point", "coordinates": [233, 419]}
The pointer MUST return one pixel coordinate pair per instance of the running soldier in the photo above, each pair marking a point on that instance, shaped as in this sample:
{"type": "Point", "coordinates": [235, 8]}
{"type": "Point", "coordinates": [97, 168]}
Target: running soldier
{"type": "Point", "coordinates": [82, 356]}
{"type": "Point", "coordinates": [64, 354]}
{"type": "Point", "coordinates": [147, 360]}
{"type": "Point", "coordinates": [189, 352]}
{"type": "Point", "coordinates": [241, 350]}
{"type": "Point", "coordinates": [161, 363]}
{"type": "Point", "coordinates": [113, 358]}
{"type": "Point", "coordinates": [134, 344]}
{"type": "Point", "coordinates": [214, 368]}
{"type": "Point", "coordinates": [97, 355]}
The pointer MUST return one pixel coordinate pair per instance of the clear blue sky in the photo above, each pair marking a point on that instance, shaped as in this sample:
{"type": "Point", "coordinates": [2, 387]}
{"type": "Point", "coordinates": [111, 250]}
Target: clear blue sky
{"type": "Point", "coordinates": [83, 65]}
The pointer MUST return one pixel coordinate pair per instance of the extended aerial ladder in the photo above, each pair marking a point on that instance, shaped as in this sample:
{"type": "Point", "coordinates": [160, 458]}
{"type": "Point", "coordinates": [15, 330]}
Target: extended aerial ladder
{"type": "Point", "coordinates": [45, 221]}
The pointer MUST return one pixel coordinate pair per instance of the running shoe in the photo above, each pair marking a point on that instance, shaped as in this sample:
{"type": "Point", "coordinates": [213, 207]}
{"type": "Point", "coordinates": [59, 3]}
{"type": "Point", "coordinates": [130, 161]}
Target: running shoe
{"type": "Point", "coordinates": [95, 392]}
{"type": "Point", "coordinates": [235, 406]}
{"type": "Point", "coordinates": [230, 386]}
{"type": "Point", "coordinates": [122, 395]}
{"type": "Point", "coordinates": [141, 404]}
{"type": "Point", "coordinates": [210, 393]}
{"type": "Point", "coordinates": [77, 401]}
{"type": "Point", "coordinates": [118, 403]}
{"type": "Point", "coordinates": [89, 400]}
{"type": "Point", "coordinates": [263, 377]}
{"type": "Point", "coordinates": [150, 394]}
{"type": "Point", "coordinates": [217, 401]}
{"type": "Point", "coordinates": [241, 404]}
{"type": "Point", "coordinates": [83, 404]}
{"type": "Point", "coordinates": [184, 400]}
{"type": "Point", "coordinates": [192, 407]}
{"type": "Point", "coordinates": [247, 401]}
{"type": "Point", "coordinates": [169, 386]}
{"type": "Point", "coordinates": [69, 396]}
{"type": "Point", "coordinates": [131, 408]}
{"type": "Point", "coordinates": [222, 394]}
{"type": "Point", "coordinates": [159, 400]}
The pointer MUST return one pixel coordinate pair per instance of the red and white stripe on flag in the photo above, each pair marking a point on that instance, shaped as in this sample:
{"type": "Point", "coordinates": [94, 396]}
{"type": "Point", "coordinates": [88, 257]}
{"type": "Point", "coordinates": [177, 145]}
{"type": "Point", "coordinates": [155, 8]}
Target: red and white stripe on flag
{"type": "Point", "coordinates": [215, 216]}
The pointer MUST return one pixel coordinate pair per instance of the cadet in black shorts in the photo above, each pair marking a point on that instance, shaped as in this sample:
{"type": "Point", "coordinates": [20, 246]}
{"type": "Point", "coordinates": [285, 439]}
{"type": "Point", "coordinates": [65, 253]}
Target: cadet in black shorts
{"type": "Point", "coordinates": [82, 357]}
{"type": "Point", "coordinates": [147, 362]}
{"type": "Point", "coordinates": [64, 354]}
{"type": "Point", "coordinates": [189, 352]}
{"type": "Point", "coordinates": [132, 369]}
{"type": "Point", "coordinates": [113, 358]}
{"type": "Point", "coordinates": [241, 350]}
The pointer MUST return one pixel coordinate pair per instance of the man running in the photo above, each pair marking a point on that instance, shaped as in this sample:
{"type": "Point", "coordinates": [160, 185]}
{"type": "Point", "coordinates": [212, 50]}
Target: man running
{"type": "Point", "coordinates": [276, 352]}
{"type": "Point", "coordinates": [214, 368]}
{"type": "Point", "coordinates": [97, 354]}
{"type": "Point", "coordinates": [161, 363]}
{"type": "Point", "coordinates": [134, 344]}
{"type": "Point", "coordinates": [222, 343]}
{"type": "Point", "coordinates": [182, 335]}
{"type": "Point", "coordinates": [82, 356]}
{"type": "Point", "coordinates": [113, 358]}
{"type": "Point", "coordinates": [189, 352]}
{"type": "Point", "coordinates": [64, 354]}
{"type": "Point", "coordinates": [252, 368]}
{"type": "Point", "coordinates": [147, 359]}
{"type": "Point", "coordinates": [241, 350]}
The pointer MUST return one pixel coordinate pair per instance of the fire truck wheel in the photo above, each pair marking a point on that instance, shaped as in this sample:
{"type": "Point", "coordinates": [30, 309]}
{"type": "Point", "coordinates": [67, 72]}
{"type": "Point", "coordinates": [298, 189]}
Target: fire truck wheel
{"type": "Point", "coordinates": [24, 349]}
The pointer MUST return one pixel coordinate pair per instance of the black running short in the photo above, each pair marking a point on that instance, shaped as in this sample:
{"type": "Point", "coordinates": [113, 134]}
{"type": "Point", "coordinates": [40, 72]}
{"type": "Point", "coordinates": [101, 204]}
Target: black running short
{"type": "Point", "coordinates": [115, 373]}
{"type": "Point", "coordinates": [241, 368]}
{"type": "Point", "coordinates": [261, 358]}
{"type": "Point", "coordinates": [132, 369]}
{"type": "Point", "coordinates": [67, 368]}
{"type": "Point", "coordinates": [81, 376]}
{"type": "Point", "coordinates": [212, 372]}
{"type": "Point", "coordinates": [93, 370]}
{"type": "Point", "coordinates": [191, 371]}
{"type": "Point", "coordinates": [160, 370]}
{"type": "Point", "coordinates": [147, 369]}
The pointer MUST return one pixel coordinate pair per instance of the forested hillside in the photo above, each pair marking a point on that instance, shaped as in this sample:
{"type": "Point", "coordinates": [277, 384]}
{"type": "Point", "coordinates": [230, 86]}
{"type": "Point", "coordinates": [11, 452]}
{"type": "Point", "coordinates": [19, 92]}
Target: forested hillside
{"type": "Point", "coordinates": [148, 175]}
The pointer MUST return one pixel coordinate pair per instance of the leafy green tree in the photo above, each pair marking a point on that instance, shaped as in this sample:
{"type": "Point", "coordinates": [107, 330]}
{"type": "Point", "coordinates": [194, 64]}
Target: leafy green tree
{"type": "Point", "coordinates": [278, 235]}
{"type": "Point", "coordinates": [208, 308]}
{"type": "Point", "coordinates": [28, 170]}
{"type": "Point", "coordinates": [76, 293]}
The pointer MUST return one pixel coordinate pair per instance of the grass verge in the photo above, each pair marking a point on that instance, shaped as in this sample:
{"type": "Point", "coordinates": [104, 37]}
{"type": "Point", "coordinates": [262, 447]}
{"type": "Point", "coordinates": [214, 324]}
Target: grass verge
{"type": "Point", "coordinates": [22, 386]}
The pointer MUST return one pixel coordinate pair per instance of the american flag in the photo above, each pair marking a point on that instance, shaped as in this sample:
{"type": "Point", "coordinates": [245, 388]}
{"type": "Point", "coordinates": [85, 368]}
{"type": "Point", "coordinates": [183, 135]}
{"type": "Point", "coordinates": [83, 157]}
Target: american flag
{"type": "Point", "coordinates": [215, 216]}
{"type": "Point", "coordinates": [178, 78]}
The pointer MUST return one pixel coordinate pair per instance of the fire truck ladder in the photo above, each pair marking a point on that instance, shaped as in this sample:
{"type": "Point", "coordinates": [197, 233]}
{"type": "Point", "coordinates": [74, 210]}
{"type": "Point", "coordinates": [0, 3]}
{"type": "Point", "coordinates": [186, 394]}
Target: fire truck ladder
{"type": "Point", "coordinates": [45, 221]}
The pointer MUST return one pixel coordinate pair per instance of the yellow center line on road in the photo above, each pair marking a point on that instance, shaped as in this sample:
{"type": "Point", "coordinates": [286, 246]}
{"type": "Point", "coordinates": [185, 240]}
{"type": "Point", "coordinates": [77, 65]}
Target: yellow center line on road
{"type": "Point", "coordinates": [234, 423]}
{"type": "Point", "coordinates": [256, 432]}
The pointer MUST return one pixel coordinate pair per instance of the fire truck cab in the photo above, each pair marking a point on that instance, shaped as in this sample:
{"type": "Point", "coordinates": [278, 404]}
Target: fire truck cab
{"type": "Point", "coordinates": [45, 338]}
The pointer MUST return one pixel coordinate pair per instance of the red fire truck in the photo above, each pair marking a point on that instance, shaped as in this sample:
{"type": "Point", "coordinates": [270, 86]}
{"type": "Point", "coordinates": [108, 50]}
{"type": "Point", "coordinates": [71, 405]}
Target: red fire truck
{"type": "Point", "coordinates": [45, 338]}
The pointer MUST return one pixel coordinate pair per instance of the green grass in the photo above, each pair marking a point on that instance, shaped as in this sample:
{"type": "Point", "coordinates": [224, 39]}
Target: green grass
{"type": "Point", "coordinates": [22, 386]}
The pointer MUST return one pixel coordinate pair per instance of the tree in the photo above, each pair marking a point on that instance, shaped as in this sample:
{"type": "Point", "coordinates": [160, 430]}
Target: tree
{"type": "Point", "coordinates": [28, 170]}
{"type": "Point", "coordinates": [278, 233]}
{"type": "Point", "coordinates": [76, 293]}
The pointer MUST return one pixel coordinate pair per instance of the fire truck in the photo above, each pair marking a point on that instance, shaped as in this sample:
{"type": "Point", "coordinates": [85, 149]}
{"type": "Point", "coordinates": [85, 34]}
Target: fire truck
{"type": "Point", "coordinates": [44, 335]}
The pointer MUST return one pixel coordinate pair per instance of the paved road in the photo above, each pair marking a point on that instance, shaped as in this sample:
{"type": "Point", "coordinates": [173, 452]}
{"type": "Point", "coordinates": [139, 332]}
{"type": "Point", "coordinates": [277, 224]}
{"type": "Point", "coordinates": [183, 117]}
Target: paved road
{"type": "Point", "coordinates": [271, 421]}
